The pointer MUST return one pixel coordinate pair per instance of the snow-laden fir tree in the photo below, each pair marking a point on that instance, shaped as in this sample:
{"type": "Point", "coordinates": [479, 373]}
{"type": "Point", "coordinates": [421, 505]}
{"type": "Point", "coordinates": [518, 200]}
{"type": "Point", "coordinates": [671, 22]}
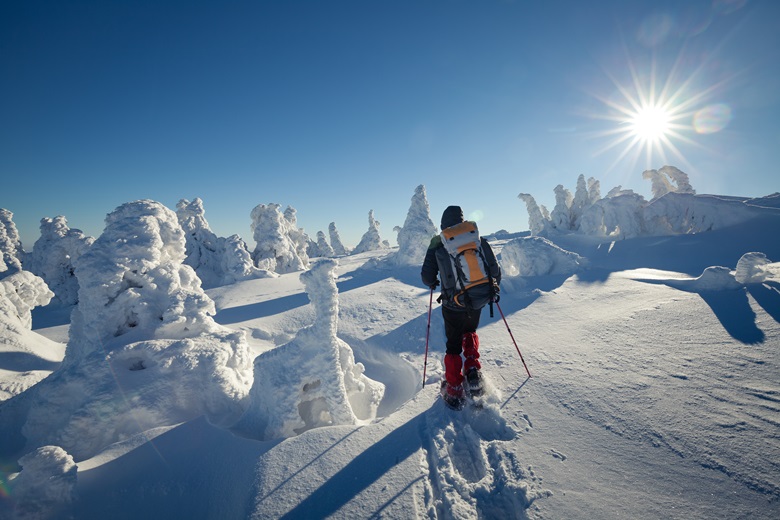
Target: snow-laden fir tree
{"type": "Point", "coordinates": [371, 240]}
{"type": "Point", "coordinates": [275, 249]}
{"type": "Point", "coordinates": [321, 248]}
{"type": "Point", "coordinates": [537, 221]}
{"type": "Point", "coordinates": [297, 235]}
{"type": "Point", "coordinates": [418, 229]}
{"type": "Point", "coordinates": [322, 384]}
{"type": "Point", "coordinates": [335, 241]}
{"type": "Point", "coordinates": [54, 256]}
{"type": "Point", "coordinates": [217, 260]}
{"type": "Point", "coordinates": [10, 244]}
{"type": "Point", "coordinates": [561, 213]}
{"type": "Point", "coordinates": [144, 350]}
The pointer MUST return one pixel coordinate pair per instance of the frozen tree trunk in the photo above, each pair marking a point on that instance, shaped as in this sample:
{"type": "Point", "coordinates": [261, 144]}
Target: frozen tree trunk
{"type": "Point", "coordinates": [312, 381]}
{"type": "Point", "coordinates": [536, 220]}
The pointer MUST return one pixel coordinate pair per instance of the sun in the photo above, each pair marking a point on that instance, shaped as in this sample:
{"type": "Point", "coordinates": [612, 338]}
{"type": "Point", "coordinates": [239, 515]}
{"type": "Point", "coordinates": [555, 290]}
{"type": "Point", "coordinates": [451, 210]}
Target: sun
{"type": "Point", "coordinates": [650, 123]}
{"type": "Point", "coordinates": [650, 119]}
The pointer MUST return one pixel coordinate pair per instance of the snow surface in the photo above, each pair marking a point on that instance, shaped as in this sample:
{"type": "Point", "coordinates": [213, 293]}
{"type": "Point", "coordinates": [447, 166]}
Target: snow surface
{"type": "Point", "coordinates": [656, 388]}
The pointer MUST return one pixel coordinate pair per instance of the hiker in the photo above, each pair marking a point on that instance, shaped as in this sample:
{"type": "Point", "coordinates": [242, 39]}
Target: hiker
{"type": "Point", "coordinates": [461, 259]}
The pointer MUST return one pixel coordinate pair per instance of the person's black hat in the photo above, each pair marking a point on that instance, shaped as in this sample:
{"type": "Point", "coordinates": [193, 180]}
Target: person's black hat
{"type": "Point", "coordinates": [452, 215]}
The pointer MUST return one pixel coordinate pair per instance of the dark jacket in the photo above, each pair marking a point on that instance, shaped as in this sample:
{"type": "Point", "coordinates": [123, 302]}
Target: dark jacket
{"type": "Point", "coordinates": [437, 265]}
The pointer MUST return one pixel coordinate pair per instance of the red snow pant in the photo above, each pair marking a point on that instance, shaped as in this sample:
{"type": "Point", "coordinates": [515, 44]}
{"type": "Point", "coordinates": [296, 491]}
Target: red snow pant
{"type": "Point", "coordinates": [461, 330]}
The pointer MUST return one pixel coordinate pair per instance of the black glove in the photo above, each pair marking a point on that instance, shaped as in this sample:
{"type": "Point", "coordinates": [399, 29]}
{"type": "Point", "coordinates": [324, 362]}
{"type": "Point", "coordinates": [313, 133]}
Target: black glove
{"type": "Point", "coordinates": [434, 285]}
{"type": "Point", "coordinates": [496, 292]}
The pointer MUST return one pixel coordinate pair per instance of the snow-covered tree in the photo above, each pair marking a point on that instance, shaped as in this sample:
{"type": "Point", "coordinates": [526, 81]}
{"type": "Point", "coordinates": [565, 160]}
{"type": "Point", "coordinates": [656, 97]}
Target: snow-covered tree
{"type": "Point", "coordinates": [321, 248]}
{"type": "Point", "coordinates": [537, 222]}
{"type": "Point", "coordinates": [10, 244]}
{"type": "Point", "coordinates": [217, 260]}
{"type": "Point", "coordinates": [20, 293]}
{"type": "Point", "coordinates": [561, 214]}
{"type": "Point", "coordinates": [144, 350]}
{"type": "Point", "coordinates": [415, 235]}
{"type": "Point", "coordinates": [335, 240]}
{"type": "Point", "coordinates": [297, 235]}
{"type": "Point", "coordinates": [663, 178]}
{"type": "Point", "coordinates": [276, 250]}
{"type": "Point", "coordinates": [371, 240]}
{"type": "Point", "coordinates": [54, 256]}
{"type": "Point", "coordinates": [324, 384]}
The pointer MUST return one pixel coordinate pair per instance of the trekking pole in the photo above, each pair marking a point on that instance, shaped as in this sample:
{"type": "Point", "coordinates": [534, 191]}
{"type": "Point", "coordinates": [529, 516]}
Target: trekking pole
{"type": "Point", "coordinates": [513, 338]}
{"type": "Point", "coordinates": [427, 335]}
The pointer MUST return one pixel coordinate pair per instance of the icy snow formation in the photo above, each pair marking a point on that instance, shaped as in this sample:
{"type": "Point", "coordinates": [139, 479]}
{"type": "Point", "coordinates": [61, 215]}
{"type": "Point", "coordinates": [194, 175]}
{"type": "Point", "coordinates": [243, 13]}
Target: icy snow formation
{"type": "Point", "coordinates": [46, 483]}
{"type": "Point", "coordinates": [278, 248]}
{"type": "Point", "coordinates": [537, 256]}
{"type": "Point", "coordinates": [297, 235]}
{"type": "Point", "coordinates": [10, 245]}
{"type": "Point", "coordinates": [20, 293]}
{"type": "Point", "coordinates": [322, 385]}
{"type": "Point", "coordinates": [371, 240]}
{"type": "Point", "coordinates": [625, 214]}
{"type": "Point", "coordinates": [54, 256]}
{"type": "Point", "coordinates": [538, 218]}
{"type": "Point", "coordinates": [335, 240]}
{"type": "Point", "coordinates": [216, 260]}
{"type": "Point", "coordinates": [661, 184]}
{"type": "Point", "coordinates": [144, 350]}
{"type": "Point", "coordinates": [752, 268]}
{"type": "Point", "coordinates": [321, 248]}
{"type": "Point", "coordinates": [415, 236]}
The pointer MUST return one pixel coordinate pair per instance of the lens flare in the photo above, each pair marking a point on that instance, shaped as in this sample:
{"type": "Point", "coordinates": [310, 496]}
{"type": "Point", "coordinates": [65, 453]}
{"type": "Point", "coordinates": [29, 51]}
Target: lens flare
{"type": "Point", "coordinates": [712, 119]}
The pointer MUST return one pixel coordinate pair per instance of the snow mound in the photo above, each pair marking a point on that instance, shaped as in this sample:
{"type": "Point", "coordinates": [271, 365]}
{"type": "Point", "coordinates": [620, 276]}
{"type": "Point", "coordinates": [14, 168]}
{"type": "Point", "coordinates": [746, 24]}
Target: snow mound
{"type": "Point", "coordinates": [537, 256]}
{"type": "Point", "coordinates": [46, 483]}
{"type": "Point", "coordinates": [714, 278]}
{"type": "Point", "coordinates": [217, 260]}
{"type": "Point", "coordinates": [415, 236]}
{"type": "Point", "coordinates": [752, 268]}
{"type": "Point", "coordinates": [54, 257]}
{"type": "Point", "coordinates": [312, 381]}
{"type": "Point", "coordinates": [144, 350]}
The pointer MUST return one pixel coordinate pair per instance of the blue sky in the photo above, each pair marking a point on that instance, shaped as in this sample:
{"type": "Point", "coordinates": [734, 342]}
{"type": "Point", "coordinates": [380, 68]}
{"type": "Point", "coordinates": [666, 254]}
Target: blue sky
{"type": "Point", "coordinates": [338, 107]}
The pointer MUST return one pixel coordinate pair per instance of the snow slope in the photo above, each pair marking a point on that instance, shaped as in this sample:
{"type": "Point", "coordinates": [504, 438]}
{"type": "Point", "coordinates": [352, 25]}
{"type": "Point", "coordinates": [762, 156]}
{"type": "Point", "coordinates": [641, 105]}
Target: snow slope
{"type": "Point", "coordinates": [653, 396]}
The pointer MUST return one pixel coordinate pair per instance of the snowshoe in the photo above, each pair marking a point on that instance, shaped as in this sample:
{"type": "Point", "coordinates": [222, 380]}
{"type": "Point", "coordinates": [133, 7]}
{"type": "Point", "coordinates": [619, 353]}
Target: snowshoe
{"type": "Point", "coordinates": [474, 382]}
{"type": "Point", "coordinates": [453, 396]}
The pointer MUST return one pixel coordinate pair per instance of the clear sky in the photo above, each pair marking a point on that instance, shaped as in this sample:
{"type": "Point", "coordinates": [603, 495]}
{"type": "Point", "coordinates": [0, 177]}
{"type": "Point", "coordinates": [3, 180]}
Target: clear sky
{"type": "Point", "coordinates": [336, 107]}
